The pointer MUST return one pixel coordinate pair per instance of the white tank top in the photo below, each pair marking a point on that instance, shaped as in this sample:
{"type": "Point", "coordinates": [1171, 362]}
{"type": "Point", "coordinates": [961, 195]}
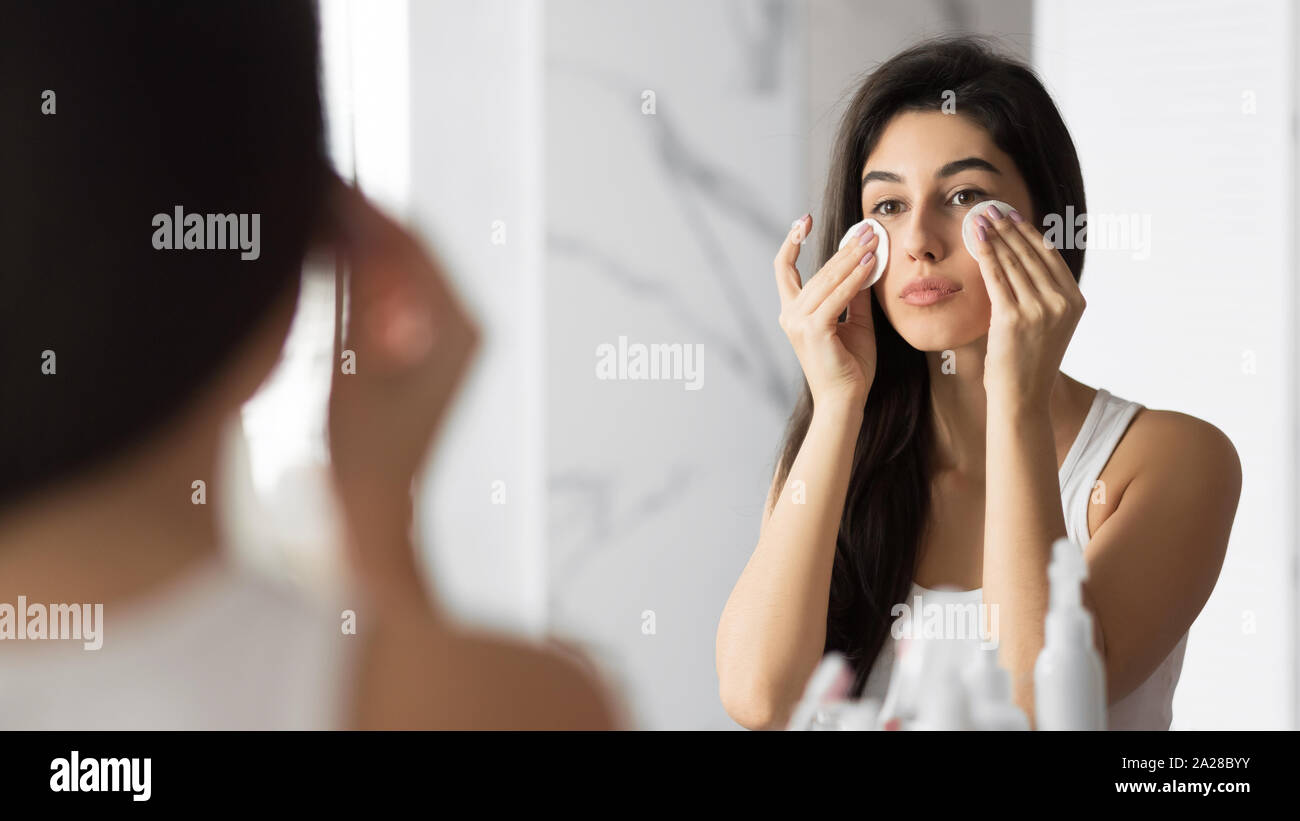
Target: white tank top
{"type": "Point", "coordinates": [1150, 706]}
{"type": "Point", "coordinates": [222, 648]}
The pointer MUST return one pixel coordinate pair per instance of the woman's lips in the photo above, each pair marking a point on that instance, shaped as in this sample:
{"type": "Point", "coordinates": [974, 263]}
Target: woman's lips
{"type": "Point", "coordinates": [928, 290]}
{"type": "Point", "coordinates": [927, 297]}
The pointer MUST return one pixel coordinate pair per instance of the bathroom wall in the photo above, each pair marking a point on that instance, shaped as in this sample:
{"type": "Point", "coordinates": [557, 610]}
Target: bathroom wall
{"type": "Point", "coordinates": [1184, 116]}
{"type": "Point", "coordinates": [660, 229]}
{"type": "Point", "coordinates": [477, 140]}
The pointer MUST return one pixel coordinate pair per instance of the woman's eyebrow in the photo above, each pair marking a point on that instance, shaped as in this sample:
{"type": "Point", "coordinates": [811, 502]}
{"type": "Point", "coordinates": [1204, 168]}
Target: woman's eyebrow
{"type": "Point", "coordinates": [954, 167]}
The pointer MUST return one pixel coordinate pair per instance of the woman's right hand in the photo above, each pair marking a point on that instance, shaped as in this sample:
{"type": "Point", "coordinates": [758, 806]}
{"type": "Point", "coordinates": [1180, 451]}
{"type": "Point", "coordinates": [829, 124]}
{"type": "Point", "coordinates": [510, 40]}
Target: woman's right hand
{"type": "Point", "coordinates": [838, 358]}
{"type": "Point", "coordinates": [412, 342]}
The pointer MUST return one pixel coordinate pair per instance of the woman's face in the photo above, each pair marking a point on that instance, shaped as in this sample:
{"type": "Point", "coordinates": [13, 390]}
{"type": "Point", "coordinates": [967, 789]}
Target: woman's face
{"type": "Point", "coordinates": [927, 171]}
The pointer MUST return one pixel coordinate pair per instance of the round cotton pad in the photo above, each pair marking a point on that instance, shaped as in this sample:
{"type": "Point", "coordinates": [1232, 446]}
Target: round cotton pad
{"type": "Point", "coordinates": [968, 224]}
{"type": "Point", "coordinates": [882, 249]}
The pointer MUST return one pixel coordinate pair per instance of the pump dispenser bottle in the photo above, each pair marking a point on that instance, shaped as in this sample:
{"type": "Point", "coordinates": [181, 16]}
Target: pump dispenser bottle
{"type": "Point", "coordinates": [1069, 679]}
{"type": "Point", "coordinates": [942, 703]}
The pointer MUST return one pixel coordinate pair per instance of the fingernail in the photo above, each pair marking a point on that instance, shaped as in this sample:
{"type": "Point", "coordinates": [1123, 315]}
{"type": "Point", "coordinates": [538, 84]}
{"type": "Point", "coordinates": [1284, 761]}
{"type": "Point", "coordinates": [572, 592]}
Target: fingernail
{"type": "Point", "coordinates": [1015, 216]}
{"type": "Point", "coordinates": [979, 231]}
{"type": "Point", "coordinates": [866, 236]}
{"type": "Point", "coordinates": [798, 231]}
{"type": "Point", "coordinates": [867, 257]}
{"type": "Point", "coordinates": [994, 212]}
{"type": "Point", "coordinates": [982, 222]}
{"type": "Point", "coordinates": [864, 228]}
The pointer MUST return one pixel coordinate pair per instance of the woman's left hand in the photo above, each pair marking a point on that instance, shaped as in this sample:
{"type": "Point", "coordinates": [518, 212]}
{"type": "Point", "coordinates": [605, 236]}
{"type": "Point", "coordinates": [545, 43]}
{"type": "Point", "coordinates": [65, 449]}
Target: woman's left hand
{"type": "Point", "coordinates": [1036, 307]}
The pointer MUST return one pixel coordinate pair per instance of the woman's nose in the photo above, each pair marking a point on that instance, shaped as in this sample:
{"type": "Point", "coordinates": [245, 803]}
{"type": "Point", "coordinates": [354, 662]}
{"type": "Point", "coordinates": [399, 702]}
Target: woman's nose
{"type": "Point", "coordinates": [921, 237]}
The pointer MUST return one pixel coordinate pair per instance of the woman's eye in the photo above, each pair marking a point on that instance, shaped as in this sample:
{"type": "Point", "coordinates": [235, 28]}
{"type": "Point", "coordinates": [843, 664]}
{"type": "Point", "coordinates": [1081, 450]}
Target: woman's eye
{"type": "Point", "coordinates": [964, 198]}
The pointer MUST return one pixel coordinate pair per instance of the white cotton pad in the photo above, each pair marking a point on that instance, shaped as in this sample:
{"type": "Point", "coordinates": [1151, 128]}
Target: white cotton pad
{"type": "Point", "coordinates": [882, 249]}
{"type": "Point", "coordinates": [968, 224]}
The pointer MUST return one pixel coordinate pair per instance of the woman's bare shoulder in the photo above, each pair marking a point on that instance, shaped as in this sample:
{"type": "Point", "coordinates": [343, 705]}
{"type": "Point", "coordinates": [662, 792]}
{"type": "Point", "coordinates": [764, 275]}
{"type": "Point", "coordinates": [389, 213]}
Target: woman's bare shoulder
{"type": "Point", "coordinates": [1174, 449]}
{"type": "Point", "coordinates": [1165, 442]}
{"type": "Point", "coordinates": [426, 674]}
{"type": "Point", "coordinates": [1156, 431]}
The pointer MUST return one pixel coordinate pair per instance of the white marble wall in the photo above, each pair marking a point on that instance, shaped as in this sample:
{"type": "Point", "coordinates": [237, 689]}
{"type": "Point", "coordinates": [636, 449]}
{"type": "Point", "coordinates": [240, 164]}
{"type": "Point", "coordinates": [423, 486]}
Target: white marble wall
{"type": "Point", "coordinates": [660, 228]}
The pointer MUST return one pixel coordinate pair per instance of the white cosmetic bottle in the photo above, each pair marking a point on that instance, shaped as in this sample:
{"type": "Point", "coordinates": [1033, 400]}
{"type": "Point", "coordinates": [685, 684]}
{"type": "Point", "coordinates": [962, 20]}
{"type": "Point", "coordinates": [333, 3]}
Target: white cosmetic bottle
{"type": "Point", "coordinates": [1069, 679]}
{"type": "Point", "coordinates": [989, 689]}
{"type": "Point", "coordinates": [826, 688]}
{"type": "Point", "coordinates": [942, 703]}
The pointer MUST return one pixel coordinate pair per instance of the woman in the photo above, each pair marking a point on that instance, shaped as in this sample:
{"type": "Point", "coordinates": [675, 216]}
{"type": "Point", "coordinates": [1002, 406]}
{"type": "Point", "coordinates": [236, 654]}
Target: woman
{"type": "Point", "coordinates": [937, 443]}
{"type": "Point", "coordinates": [124, 355]}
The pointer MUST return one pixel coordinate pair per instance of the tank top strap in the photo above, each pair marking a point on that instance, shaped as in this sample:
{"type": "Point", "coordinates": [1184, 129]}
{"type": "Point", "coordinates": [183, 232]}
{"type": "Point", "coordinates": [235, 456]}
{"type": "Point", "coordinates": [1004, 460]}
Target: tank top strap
{"type": "Point", "coordinates": [1107, 420]}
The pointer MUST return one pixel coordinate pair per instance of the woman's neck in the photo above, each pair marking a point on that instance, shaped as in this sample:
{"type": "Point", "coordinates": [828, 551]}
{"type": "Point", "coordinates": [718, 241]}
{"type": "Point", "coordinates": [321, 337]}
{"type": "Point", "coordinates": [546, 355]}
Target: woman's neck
{"type": "Point", "coordinates": [958, 404]}
{"type": "Point", "coordinates": [125, 528]}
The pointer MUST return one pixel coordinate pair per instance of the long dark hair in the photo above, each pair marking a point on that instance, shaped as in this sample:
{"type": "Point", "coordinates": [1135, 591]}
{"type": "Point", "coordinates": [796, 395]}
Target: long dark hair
{"type": "Point", "coordinates": [214, 107]}
{"type": "Point", "coordinates": [888, 499]}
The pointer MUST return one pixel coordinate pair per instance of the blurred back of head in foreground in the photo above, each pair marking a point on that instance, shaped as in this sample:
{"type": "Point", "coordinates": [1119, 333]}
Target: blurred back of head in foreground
{"type": "Point", "coordinates": [121, 356]}
{"type": "Point", "coordinates": [212, 107]}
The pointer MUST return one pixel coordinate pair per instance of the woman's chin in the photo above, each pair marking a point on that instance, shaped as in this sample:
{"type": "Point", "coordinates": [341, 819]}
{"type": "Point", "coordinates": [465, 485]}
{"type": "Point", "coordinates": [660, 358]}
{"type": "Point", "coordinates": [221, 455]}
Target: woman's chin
{"type": "Point", "coordinates": [941, 338]}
